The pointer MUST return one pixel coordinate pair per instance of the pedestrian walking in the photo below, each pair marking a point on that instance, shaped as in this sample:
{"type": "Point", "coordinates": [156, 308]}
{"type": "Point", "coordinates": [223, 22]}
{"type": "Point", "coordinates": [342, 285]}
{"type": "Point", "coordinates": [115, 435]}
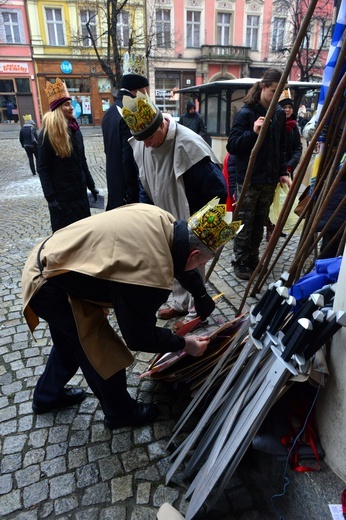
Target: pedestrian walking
{"type": "Point", "coordinates": [178, 171]}
{"type": "Point", "coordinates": [270, 167]}
{"type": "Point", "coordinates": [71, 276]}
{"type": "Point", "coordinates": [121, 168]}
{"type": "Point", "coordinates": [62, 165]}
{"type": "Point", "coordinates": [28, 137]}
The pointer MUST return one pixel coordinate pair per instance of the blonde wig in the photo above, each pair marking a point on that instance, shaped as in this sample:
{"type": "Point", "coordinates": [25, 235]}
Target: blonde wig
{"type": "Point", "coordinates": [55, 127]}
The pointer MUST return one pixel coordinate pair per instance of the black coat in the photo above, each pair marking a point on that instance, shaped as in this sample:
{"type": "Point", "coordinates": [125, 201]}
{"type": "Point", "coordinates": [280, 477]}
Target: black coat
{"type": "Point", "coordinates": [121, 169]}
{"type": "Point", "coordinates": [270, 162]}
{"type": "Point", "coordinates": [28, 136]}
{"type": "Point", "coordinates": [294, 147]}
{"type": "Point", "coordinates": [194, 122]}
{"type": "Point", "coordinates": [64, 181]}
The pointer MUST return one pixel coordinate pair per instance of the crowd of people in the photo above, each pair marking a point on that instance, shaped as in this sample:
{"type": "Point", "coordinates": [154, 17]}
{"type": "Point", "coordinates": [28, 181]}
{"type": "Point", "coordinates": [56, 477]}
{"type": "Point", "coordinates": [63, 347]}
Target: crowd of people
{"type": "Point", "coordinates": [155, 237]}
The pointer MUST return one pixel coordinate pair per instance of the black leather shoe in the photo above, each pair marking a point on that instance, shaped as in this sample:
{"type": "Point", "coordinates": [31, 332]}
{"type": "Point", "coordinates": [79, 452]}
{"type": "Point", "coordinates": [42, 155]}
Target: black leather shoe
{"type": "Point", "coordinates": [70, 397]}
{"type": "Point", "coordinates": [142, 413]}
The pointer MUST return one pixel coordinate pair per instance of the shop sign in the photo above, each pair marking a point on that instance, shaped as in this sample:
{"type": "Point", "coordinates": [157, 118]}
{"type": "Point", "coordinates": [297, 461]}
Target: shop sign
{"type": "Point", "coordinates": [66, 67]}
{"type": "Point", "coordinates": [162, 93]}
{"type": "Point", "coordinates": [14, 68]}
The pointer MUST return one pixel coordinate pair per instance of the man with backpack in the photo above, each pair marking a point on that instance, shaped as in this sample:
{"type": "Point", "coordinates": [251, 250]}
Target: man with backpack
{"type": "Point", "coordinates": [28, 138]}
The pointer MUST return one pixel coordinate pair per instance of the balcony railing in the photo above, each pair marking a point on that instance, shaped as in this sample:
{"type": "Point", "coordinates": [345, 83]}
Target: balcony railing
{"type": "Point", "coordinates": [224, 52]}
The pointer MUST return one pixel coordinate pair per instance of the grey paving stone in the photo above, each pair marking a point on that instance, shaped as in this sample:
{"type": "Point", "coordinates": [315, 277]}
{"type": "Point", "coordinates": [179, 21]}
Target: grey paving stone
{"type": "Point", "coordinates": [77, 458]}
{"type": "Point", "coordinates": [134, 459]}
{"type": "Point", "coordinates": [62, 485]}
{"type": "Point", "coordinates": [96, 494]}
{"type": "Point", "coordinates": [53, 467]}
{"type": "Point", "coordinates": [157, 450]}
{"type": "Point", "coordinates": [33, 456]}
{"type": "Point", "coordinates": [79, 438]}
{"type": "Point", "coordinates": [165, 494]}
{"type": "Point", "coordinates": [81, 422]}
{"type": "Point", "coordinates": [13, 444]}
{"type": "Point", "coordinates": [150, 473]}
{"type": "Point", "coordinates": [58, 434]}
{"type": "Point", "coordinates": [5, 484]}
{"type": "Point", "coordinates": [25, 423]}
{"type": "Point", "coordinates": [111, 513]}
{"type": "Point", "coordinates": [87, 475]}
{"type": "Point", "coordinates": [110, 467]}
{"type": "Point", "coordinates": [35, 493]}
{"type": "Point", "coordinates": [56, 450]}
{"type": "Point", "coordinates": [27, 476]}
{"type": "Point", "coordinates": [99, 451]}
{"type": "Point", "coordinates": [10, 502]}
{"type": "Point", "coordinates": [143, 493]}
{"type": "Point", "coordinates": [143, 513]}
{"type": "Point", "coordinates": [121, 488]}
{"type": "Point", "coordinates": [8, 413]}
{"type": "Point", "coordinates": [89, 514]}
{"type": "Point", "coordinates": [65, 504]}
{"type": "Point", "coordinates": [121, 442]}
{"type": "Point", "coordinates": [143, 435]}
{"type": "Point", "coordinates": [38, 438]}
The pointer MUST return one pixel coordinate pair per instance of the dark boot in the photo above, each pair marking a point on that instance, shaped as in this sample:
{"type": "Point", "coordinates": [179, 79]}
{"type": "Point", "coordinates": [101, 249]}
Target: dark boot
{"type": "Point", "coordinates": [241, 270]}
{"type": "Point", "coordinates": [270, 229]}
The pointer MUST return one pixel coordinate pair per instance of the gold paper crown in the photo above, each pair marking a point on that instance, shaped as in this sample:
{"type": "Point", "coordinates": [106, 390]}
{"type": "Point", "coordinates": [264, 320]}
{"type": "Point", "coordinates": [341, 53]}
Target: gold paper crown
{"type": "Point", "coordinates": [134, 64]}
{"type": "Point", "coordinates": [285, 96]}
{"type": "Point", "coordinates": [57, 90]}
{"type": "Point", "coordinates": [27, 117]}
{"type": "Point", "coordinates": [213, 224]}
{"type": "Point", "coordinates": [141, 115]}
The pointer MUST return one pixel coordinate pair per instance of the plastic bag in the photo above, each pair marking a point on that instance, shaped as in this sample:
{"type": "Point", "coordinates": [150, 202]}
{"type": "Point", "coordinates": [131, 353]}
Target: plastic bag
{"type": "Point", "coordinates": [276, 207]}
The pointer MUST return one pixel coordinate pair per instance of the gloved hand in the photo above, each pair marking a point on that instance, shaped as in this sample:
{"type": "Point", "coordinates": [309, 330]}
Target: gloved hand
{"type": "Point", "coordinates": [54, 206]}
{"type": "Point", "coordinates": [204, 306]}
{"type": "Point", "coordinates": [95, 192]}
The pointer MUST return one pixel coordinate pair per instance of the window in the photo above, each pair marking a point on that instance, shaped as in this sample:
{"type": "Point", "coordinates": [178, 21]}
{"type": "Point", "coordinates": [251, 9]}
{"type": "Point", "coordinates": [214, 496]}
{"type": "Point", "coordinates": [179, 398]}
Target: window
{"type": "Point", "coordinates": [324, 33]}
{"type": "Point", "coordinates": [11, 32]}
{"type": "Point", "coordinates": [23, 85]}
{"type": "Point", "coordinates": [193, 28]}
{"type": "Point", "coordinates": [6, 85]}
{"type": "Point", "coordinates": [163, 27]}
{"type": "Point", "coordinates": [252, 25]}
{"type": "Point", "coordinates": [55, 27]}
{"type": "Point", "coordinates": [223, 29]}
{"type": "Point", "coordinates": [278, 34]}
{"type": "Point", "coordinates": [88, 18]}
{"type": "Point", "coordinates": [123, 28]}
{"type": "Point", "coordinates": [165, 84]}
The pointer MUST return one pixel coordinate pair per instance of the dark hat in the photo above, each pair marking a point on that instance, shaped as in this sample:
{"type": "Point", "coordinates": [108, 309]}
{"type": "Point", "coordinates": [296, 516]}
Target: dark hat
{"type": "Point", "coordinates": [190, 104]}
{"type": "Point", "coordinates": [133, 82]}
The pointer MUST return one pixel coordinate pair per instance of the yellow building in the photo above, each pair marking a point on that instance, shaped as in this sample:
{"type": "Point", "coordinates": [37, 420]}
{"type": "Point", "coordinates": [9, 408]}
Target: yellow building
{"type": "Point", "coordinates": [73, 40]}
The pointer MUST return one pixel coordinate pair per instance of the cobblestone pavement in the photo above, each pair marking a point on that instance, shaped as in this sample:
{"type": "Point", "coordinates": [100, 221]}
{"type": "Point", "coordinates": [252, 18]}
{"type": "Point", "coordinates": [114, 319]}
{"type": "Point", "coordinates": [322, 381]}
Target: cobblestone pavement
{"type": "Point", "coordinates": [66, 465]}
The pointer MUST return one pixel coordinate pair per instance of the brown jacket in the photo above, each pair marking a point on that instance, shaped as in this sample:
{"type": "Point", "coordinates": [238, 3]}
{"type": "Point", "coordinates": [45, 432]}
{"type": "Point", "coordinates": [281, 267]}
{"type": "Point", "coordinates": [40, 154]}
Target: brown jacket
{"type": "Point", "coordinates": [131, 244]}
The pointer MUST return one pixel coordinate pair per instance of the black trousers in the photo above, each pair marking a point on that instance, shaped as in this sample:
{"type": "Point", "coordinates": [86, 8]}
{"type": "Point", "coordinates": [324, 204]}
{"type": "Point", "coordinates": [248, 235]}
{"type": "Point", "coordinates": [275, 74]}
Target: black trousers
{"type": "Point", "coordinates": [67, 355]}
{"type": "Point", "coordinates": [31, 151]}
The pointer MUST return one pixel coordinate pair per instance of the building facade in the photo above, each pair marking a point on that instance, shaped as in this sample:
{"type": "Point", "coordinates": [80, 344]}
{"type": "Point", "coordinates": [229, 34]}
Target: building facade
{"type": "Point", "coordinates": [186, 42]}
{"type": "Point", "coordinates": [200, 41]}
{"type": "Point", "coordinates": [18, 87]}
